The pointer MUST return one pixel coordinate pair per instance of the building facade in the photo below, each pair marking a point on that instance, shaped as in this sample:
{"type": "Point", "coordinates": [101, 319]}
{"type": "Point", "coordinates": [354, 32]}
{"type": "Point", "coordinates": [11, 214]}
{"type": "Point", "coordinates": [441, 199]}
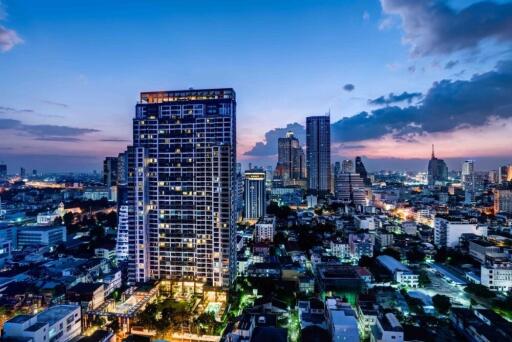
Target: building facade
{"type": "Point", "coordinates": [255, 204]}
{"type": "Point", "coordinates": [181, 187]}
{"type": "Point", "coordinates": [291, 163]}
{"type": "Point", "coordinates": [318, 149]}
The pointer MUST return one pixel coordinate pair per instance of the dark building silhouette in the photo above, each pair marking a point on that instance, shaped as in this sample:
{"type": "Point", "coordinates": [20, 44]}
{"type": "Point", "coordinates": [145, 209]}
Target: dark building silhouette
{"type": "Point", "coordinates": [437, 170]}
{"type": "Point", "coordinates": [361, 170]}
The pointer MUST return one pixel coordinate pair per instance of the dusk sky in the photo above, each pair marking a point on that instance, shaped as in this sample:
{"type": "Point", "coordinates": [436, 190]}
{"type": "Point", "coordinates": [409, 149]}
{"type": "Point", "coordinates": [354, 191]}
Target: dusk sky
{"type": "Point", "coordinates": [395, 75]}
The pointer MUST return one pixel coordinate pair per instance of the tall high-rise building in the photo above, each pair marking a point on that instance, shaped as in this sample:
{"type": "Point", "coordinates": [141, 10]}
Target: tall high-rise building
{"type": "Point", "coordinates": [437, 170]}
{"type": "Point", "coordinates": [505, 174]}
{"type": "Point", "coordinates": [181, 187]}
{"type": "Point", "coordinates": [347, 166]}
{"type": "Point", "coordinates": [361, 170]}
{"type": "Point", "coordinates": [23, 172]}
{"type": "Point", "coordinates": [291, 163]}
{"type": "Point", "coordinates": [255, 204]}
{"type": "Point", "coordinates": [318, 149]}
{"type": "Point", "coordinates": [503, 200]}
{"type": "Point", "coordinates": [110, 171]}
{"type": "Point", "coordinates": [122, 168]}
{"type": "Point", "coordinates": [3, 171]}
{"type": "Point", "coordinates": [468, 175]}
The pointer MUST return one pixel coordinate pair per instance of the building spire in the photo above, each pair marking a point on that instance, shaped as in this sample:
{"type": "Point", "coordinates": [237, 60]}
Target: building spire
{"type": "Point", "coordinates": [433, 155]}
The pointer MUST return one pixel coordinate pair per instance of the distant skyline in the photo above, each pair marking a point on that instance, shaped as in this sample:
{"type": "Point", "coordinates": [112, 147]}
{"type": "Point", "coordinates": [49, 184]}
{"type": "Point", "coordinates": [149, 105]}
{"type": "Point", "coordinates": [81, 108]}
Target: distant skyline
{"type": "Point", "coordinates": [395, 75]}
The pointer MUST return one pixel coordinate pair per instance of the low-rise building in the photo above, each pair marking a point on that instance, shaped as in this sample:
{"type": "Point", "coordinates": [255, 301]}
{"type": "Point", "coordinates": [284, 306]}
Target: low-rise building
{"type": "Point", "coordinates": [60, 323]}
{"type": "Point", "coordinates": [447, 233]}
{"type": "Point", "coordinates": [496, 273]}
{"type": "Point", "coordinates": [387, 329]}
{"type": "Point", "coordinates": [479, 249]}
{"type": "Point", "coordinates": [401, 273]}
{"type": "Point", "coordinates": [265, 228]}
{"type": "Point", "coordinates": [49, 236]}
{"type": "Point", "coordinates": [341, 320]}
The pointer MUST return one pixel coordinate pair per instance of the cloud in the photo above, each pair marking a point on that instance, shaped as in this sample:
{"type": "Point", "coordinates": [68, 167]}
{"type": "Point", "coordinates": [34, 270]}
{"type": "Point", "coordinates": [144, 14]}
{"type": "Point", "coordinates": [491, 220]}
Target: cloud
{"type": "Point", "coordinates": [366, 16]}
{"type": "Point", "coordinates": [10, 110]}
{"type": "Point", "coordinates": [412, 69]}
{"type": "Point", "coordinates": [114, 140]}
{"type": "Point", "coordinates": [447, 106]}
{"type": "Point", "coordinates": [8, 37]}
{"type": "Point", "coordinates": [432, 27]}
{"type": "Point", "coordinates": [57, 104]}
{"type": "Point", "coordinates": [349, 87]}
{"type": "Point", "coordinates": [392, 98]}
{"type": "Point", "coordinates": [46, 132]}
{"type": "Point", "coordinates": [61, 139]}
{"type": "Point", "coordinates": [450, 64]}
{"type": "Point", "coordinates": [268, 147]}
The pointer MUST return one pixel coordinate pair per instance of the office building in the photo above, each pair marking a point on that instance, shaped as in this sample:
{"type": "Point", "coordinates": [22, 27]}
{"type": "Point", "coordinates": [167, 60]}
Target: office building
{"type": "Point", "coordinates": [181, 187]}
{"type": "Point", "coordinates": [50, 236]}
{"type": "Point", "coordinates": [350, 189]}
{"type": "Point", "coordinates": [291, 164]}
{"type": "Point", "coordinates": [447, 233]}
{"type": "Point", "coordinates": [503, 201]}
{"type": "Point", "coordinates": [318, 149]}
{"type": "Point", "coordinates": [347, 166]}
{"type": "Point", "coordinates": [255, 204]}
{"type": "Point", "coordinates": [437, 170]}
{"type": "Point", "coordinates": [59, 323]}
{"type": "Point", "coordinates": [3, 171]}
{"type": "Point", "coordinates": [361, 170]}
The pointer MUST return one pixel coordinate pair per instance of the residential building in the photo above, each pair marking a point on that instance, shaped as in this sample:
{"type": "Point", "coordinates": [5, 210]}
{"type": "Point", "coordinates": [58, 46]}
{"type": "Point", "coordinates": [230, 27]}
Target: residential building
{"type": "Point", "coordinates": [503, 201]}
{"type": "Point", "coordinates": [480, 249]}
{"type": "Point", "coordinates": [181, 187]}
{"type": "Point", "coordinates": [60, 323]}
{"type": "Point", "coordinates": [318, 153]}
{"type": "Point", "coordinates": [255, 203]}
{"type": "Point", "coordinates": [496, 273]}
{"type": "Point", "coordinates": [447, 233]}
{"type": "Point", "coordinates": [341, 320]}
{"type": "Point", "coordinates": [387, 329]}
{"type": "Point", "coordinates": [265, 228]}
{"type": "Point", "coordinates": [468, 175]}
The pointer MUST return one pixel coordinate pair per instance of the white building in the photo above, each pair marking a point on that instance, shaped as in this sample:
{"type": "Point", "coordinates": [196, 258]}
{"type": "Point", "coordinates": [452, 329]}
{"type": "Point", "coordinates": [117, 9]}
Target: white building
{"type": "Point", "coordinates": [365, 222]}
{"type": "Point", "coordinates": [122, 233]}
{"type": "Point", "coordinates": [340, 249]}
{"type": "Point", "coordinates": [60, 323]}
{"type": "Point", "coordinates": [409, 228]}
{"type": "Point", "coordinates": [447, 233]}
{"type": "Point", "coordinates": [496, 273]}
{"type": "Point", "coordinates": [387, 329]}
{"type": "Point", "coordinates": [265, 229]}
{"type": "Point", "coordinates": [401, 273]}
{"type": "Point", "coordinates": [41, 236]}
{"type": "Point", "coordinates": [341, 320]}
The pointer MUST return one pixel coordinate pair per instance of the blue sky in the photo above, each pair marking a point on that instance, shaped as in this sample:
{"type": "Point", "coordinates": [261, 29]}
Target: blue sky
{"type": "Point", "coordinates": [81, 64]}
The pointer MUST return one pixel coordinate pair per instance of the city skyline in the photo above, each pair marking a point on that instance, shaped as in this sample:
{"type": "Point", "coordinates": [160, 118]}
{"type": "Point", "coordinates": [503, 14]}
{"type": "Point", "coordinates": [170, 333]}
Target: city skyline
{"type": "Point", "coordinates": [63, 105]}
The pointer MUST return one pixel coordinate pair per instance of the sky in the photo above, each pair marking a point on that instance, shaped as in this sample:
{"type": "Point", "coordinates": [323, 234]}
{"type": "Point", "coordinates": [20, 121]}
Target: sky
{"type": "Point", "coordinates": [395, 75]}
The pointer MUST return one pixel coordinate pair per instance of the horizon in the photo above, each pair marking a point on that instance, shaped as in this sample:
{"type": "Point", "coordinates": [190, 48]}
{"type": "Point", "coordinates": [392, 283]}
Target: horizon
{"type": "Point", "coordinates": [392, 85]}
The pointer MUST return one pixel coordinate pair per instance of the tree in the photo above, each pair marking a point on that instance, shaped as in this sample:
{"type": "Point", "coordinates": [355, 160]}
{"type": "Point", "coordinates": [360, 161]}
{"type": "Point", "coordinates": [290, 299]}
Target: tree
{"type": "Point", "coordinates": [366, 261]}
{"type": "Point", "coordinates": [423, 279]}
{"type": "Point", "coordinates": [68, 219]}
{"type": "Point", "coordinates": [479, 291]}
{"type": "Point", "coordinates": [392, 253]}
{"type": "Point", "coordinates": [441, 255]}
{"type": "Point", "coordinates": [441, 303]}
{"type": "Point", "coordinates": [415, 256]}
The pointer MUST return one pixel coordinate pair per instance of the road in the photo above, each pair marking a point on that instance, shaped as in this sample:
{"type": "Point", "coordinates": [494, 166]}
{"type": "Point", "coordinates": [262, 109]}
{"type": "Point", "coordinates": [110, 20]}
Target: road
{"type": "Point", "coordinates": [441, 286]}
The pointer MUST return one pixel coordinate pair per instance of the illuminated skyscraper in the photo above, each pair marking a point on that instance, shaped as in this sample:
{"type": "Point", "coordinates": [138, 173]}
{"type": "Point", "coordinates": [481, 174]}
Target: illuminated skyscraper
{"type": "Point", "coordinates": [468, 175]}
{"type": "Point", "coordinates": [318, 149]}
{"type": "Point", "coordinates": [255, 203]}
{"type": "Point", "coordinates": [181, 187]}
{"type": "Point", "coordinates": [291, 163]}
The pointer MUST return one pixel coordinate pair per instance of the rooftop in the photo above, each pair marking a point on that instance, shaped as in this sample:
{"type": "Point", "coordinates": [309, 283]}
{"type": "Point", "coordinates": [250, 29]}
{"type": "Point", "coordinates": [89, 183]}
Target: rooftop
{"type": "Point", "coordinates": [186, 95]}
{"type": "Point", "coordinates": [55, 313]}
